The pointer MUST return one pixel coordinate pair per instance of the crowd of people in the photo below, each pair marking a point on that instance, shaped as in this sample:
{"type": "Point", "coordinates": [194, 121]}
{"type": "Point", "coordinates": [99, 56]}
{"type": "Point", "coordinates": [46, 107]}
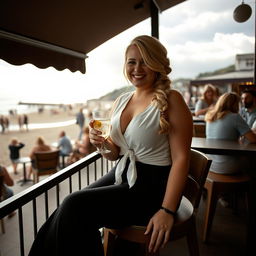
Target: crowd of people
{"type": "Point", "coordinates": [229, 117]}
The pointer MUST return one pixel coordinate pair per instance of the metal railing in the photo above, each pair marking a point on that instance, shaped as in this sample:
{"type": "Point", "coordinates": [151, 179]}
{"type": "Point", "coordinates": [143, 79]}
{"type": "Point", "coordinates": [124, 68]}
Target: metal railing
{"type": "Point", "coordinates": [36, 203]}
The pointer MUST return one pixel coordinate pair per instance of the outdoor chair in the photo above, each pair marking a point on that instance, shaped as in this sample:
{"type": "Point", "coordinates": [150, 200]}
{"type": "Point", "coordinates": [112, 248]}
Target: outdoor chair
{"type": "Point", "coordinates": [199, 130]}
{"type": "Point", "coordinates": [217, 184]}
{"type": "Point", "coordinates": [46, 163]}
{"type": "Point", "coordinates": [184, 224]}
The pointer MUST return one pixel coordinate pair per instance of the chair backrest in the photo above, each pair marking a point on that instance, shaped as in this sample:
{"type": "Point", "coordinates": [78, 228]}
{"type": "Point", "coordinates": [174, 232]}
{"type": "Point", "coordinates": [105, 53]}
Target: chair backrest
{"type": "Point", "coordinates": [198, 171]}
{"type": "Point", "coordinates": [47, 160]}
{"type": "Point", "coordinates": [199, 130]}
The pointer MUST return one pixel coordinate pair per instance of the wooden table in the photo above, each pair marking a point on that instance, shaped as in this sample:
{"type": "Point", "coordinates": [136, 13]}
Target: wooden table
{"type": "Point", "coordinates": [198, 119]}
{"type": "Point", "coordinates": [228, 147]}
{"type": "Point", "coordinates": [24, 161]}
{"type": "Point", "coordinates": [222, 147]}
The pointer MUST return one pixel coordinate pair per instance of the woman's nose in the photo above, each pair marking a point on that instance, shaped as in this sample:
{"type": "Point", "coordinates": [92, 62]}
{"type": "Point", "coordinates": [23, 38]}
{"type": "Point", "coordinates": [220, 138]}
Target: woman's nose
{"type": "Point", "coordinates": [138, 66]}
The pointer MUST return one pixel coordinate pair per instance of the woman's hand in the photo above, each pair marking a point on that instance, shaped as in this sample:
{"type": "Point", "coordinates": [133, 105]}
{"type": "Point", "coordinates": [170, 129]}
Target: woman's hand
{"type": "Point", "coordinates": [94, 136]}
{"type": "Point", "coordinates": [160, 225]}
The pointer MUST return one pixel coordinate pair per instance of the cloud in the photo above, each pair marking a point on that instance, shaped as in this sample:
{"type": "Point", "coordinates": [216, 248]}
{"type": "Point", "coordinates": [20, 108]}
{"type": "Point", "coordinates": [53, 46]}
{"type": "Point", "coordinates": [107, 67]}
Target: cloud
{"type": "Point", "coordinates": [192, 58]}
{"type": "Point", "coordinates": [200, 36]}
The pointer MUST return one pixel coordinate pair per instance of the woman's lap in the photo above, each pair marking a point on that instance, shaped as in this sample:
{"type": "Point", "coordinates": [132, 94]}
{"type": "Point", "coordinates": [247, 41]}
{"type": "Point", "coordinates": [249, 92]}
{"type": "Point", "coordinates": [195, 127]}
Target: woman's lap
{"type": "Point", "coordinates": [100, 204]}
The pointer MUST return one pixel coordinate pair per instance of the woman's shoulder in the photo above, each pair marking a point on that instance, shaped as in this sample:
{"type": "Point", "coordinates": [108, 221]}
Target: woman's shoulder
{"type": "Point", "coordinates": [233, 116]}
{"type": "Point", "coordinates": [120, 99]}
{"type": "Point", "coordinates": [175, 97]}
{"type": "Point", "coordinates": [174, 94]}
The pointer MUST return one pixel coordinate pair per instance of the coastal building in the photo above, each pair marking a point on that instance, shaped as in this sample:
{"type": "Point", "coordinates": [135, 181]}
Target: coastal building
{"type": "Point", "coordinates": [236, 80]}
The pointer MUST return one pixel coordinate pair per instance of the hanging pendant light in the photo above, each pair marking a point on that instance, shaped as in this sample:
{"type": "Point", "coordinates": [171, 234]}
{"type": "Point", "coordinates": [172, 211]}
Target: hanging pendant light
{"type": "Point", "coordinates": [242, 12]}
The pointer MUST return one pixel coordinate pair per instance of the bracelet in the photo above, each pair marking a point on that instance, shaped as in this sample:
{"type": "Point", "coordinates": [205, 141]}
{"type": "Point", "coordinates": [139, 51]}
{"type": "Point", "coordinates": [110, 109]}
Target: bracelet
{"type": "Point", "coordinates": [168, 211]}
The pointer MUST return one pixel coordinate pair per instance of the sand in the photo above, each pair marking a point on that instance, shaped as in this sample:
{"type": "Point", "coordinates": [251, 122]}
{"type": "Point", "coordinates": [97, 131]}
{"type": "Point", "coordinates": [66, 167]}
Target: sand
{"type": "Point", "coordinates": [29, 137]}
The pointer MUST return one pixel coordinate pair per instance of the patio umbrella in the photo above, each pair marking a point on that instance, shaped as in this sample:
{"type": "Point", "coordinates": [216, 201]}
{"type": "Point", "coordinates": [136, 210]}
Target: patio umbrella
{"type": "Point", "coordinates": [60, 33]}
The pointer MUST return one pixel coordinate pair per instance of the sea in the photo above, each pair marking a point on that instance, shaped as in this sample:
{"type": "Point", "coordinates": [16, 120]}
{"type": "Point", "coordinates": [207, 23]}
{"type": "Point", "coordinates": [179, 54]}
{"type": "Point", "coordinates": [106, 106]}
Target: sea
{"type": "Point", "coordinates": [11, 104]}
{"type": "Point", "coordinates": [8, 104]}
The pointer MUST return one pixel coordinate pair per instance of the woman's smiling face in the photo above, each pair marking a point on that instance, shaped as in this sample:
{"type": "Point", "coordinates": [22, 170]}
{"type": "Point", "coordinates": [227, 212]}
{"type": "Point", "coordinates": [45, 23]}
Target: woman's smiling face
{"type": "Point", "coordinates": [137, 71]}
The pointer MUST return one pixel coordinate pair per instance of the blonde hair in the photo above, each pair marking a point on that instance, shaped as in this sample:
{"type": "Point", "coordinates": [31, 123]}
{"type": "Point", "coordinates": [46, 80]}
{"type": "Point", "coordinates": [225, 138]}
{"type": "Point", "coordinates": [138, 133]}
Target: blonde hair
{"type": "Point", "coordinates": [228, 102]}
{"type": "Point", "coordinates": [155, 57]}
{"type": "Point", "coordinates": [40, 141]}
{"type": "Point", "coordinates": [208, 87]}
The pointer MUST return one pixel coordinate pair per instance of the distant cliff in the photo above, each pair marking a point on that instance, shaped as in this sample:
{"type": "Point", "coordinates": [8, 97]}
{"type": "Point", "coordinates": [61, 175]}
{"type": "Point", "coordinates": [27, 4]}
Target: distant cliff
{"type": "Point", "coordinates": [111, 96]}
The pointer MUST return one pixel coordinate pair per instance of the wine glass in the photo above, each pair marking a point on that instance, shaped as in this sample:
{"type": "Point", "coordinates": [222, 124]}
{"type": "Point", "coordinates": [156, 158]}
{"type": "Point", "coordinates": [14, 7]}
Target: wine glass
{"type": "Point", "coordinates": [102, 123]}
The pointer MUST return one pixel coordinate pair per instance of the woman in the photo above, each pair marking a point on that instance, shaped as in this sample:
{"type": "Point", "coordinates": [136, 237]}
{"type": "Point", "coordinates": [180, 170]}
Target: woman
{"type": "Point", "coordinates": [40, 146]}
{"type": "Point", "coordinates": [224, 122]}
{"type": "Point", "coordinates": [6, 181]}
{"type": "Point", "coordinates": [145, 188]}
{"type": "Point", "coordinates": [207, 100]}
{"type": "Point", "coordinates": [82, 148]}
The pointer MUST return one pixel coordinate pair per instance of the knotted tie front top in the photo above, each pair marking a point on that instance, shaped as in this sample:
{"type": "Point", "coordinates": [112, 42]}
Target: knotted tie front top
{"type": "Point", "coordinates": [141, 140]}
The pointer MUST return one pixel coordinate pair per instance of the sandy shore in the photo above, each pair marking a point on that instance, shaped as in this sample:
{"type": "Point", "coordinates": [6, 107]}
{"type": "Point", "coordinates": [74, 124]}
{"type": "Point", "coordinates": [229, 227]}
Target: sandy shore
{"type": "Point", "coordinates": [29, 137]}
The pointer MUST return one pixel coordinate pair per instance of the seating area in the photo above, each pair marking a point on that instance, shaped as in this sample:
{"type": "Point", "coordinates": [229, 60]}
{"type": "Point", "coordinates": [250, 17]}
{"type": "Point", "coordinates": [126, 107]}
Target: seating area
{"type": "Point", "coordinates": [46, 163]}
{"type": "Point", "coordinates": [185, 220]}
{"type": "Point", "coordinates": [228, 234]}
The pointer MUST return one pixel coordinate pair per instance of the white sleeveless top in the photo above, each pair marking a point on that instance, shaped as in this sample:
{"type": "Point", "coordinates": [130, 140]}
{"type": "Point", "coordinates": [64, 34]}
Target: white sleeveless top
{"type": "Point", "coordinates": [140, 141]}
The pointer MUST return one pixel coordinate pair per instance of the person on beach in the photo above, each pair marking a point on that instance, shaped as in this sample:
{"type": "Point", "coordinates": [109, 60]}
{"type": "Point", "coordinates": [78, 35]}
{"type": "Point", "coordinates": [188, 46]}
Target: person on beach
{"type": "Point", "coordinates": [14, 148]}
{"type": "Point", "coordinates": [2, 123]}
{"type": "Point", "coordinates": [25, 121]}
{"type": "Point", "coordinates": [40, 146]}
{"type": "Point", "coordinates": [20, 122]}
{"type": "Point", "coordinates": [80, 120]}
{"type": "Point", "coordinates": [151, 145]}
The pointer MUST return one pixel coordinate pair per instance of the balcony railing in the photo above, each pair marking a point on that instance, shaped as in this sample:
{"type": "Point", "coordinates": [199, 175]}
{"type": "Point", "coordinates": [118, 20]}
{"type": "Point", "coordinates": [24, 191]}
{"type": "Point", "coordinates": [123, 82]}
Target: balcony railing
{"type": "Point", "coordinates": [36, 203]}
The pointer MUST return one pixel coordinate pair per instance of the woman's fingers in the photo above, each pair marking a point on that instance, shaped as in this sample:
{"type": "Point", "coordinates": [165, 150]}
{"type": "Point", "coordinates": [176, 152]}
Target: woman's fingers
{"type": "Point", "coordinates": [158, 238]}
{"type": "Point", "coordinates": [94, 135]}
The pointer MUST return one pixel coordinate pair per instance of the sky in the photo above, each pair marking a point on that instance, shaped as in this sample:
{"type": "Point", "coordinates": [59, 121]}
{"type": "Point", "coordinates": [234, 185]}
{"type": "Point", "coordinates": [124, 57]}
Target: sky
{"type": "Point", "coordinates": [200, 36]}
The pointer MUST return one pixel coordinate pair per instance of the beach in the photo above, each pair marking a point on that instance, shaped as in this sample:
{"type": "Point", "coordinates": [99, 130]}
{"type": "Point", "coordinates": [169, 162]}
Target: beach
{"type": "Point", "coordinates": [48, 118]}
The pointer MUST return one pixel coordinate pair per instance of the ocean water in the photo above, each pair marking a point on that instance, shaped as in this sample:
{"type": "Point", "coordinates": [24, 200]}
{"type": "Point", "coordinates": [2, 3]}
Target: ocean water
{"type": "Point", "coordinates": [11, 103]}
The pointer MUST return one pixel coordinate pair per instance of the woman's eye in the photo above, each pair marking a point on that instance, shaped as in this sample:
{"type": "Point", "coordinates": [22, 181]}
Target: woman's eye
{"type": "Point", "coordinates": [131, 62]}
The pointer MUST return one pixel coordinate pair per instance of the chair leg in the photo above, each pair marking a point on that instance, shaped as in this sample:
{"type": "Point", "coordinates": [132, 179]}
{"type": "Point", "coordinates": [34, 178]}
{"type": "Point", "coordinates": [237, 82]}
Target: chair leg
{"type": "Point", "coordinates": [2, 226]}
{"type": "Point", "coordinates": [192, 240]}
{"type": "Point", "coordinates": [109, 242]}
{"type": "Point", "coordinates": [211, 202]}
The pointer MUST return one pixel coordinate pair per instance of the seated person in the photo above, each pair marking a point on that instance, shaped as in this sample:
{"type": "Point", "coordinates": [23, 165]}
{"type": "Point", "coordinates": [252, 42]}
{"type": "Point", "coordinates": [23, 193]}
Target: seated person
{"type": "Point", "coordinates": [39, 147]}
{"type": "Point", "coordinates": [5, 182]}
{"type": "Point", "coordinates": [248, 110]}
{"type": "Point", "coordinates": [64, 144]}
{"type": "Point", "coordinates": [206, 101]}
{"type": "Point", "coordinates": [224, 122]}
{"type": "Point", "coordinates": [82, 148]}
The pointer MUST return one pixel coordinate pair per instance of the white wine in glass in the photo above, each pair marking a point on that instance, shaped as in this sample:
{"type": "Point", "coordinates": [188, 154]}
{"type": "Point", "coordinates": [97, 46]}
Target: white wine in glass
{"type": "Point", "coordinates": [102, 123]}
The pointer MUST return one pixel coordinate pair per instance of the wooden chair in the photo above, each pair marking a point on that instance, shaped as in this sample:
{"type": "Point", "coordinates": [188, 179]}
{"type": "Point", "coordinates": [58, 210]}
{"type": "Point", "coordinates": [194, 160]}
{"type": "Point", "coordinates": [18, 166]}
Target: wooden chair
{"type": "Point", "coordinates": [184, 225]}
{"type": "Point", "coordinates": [199, 130]}
{"type": "Point", "coordinates": [217, 184]}
{"type": "Point", "coordinates": [46, 163]}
